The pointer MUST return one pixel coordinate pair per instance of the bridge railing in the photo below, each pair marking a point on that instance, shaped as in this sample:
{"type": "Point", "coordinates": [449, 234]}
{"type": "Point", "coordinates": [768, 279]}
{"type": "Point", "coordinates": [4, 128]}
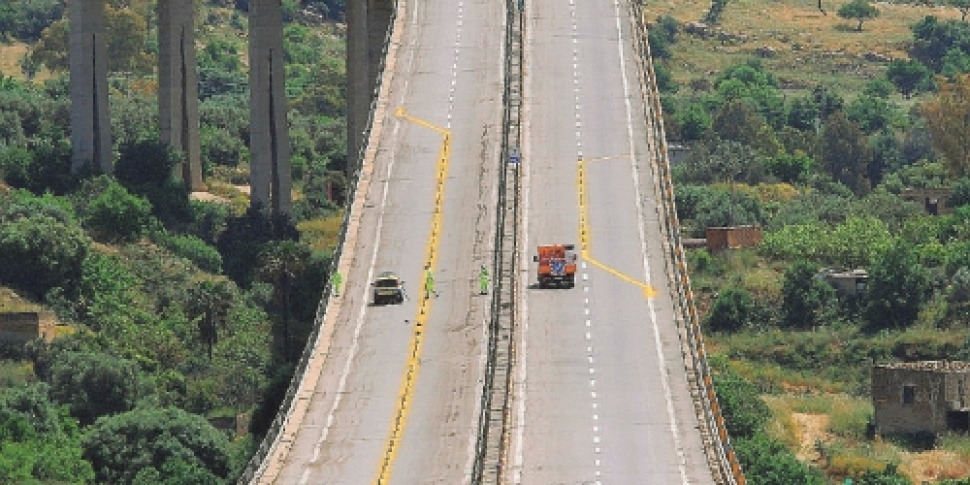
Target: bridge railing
{"type": "Point", "coordinates": [257, 463]}
{"type": "Point", "coordinates": [724, 463]}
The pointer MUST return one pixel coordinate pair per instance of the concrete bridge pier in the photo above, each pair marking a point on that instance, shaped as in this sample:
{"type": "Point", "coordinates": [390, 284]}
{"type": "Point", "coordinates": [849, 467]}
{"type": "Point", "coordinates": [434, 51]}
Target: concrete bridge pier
{"type": "Point", "coordinates": [178, 87]}
{"type": "Point", "coordinates": [367, 24]}
{"type": "Point", "coordinates": [88, 62]}
{"type": "Point", "coordinates": [269, 143]}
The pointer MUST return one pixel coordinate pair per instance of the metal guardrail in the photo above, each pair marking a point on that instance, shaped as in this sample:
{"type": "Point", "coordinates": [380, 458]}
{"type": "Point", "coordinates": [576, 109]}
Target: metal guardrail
{"type": "Point", "coordinates": [724, 462]}
{"type": "Point", "coordinates": [256, 462]}
{"type": "Point", "coordinates": [489, 462]}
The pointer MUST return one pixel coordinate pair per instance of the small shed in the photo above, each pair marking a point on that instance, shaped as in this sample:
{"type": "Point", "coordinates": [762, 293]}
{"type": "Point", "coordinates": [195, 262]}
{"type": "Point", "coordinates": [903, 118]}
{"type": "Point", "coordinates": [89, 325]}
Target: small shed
{"type": "Point", "coordinates": [934, 201]}
{"type": "Point", "coordinates": [734, 237]}
{"type": "Point", "coordinates": [921, 397]}
{"type": "Point", "coordinates": [853, 282]}
{"type": "Point", "coordinates": [22, 327]}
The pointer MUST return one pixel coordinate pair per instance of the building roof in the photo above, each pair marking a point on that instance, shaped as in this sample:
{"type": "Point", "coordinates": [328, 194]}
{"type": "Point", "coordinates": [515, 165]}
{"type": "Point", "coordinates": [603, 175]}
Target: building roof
{"type": "Point", "coordinates": [929, 365]}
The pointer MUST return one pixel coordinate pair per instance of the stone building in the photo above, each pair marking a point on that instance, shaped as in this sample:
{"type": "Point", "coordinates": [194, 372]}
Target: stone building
{"type": "Point", "coordinates": [934, 201]}
{"type": "Point", "coordinates": [735, 237]}
{"type": "Point", "coordinates": [852, 283]}
{"type": "Point", "coordinates": [21, 327]}
{"type": "Point", "coordinates": [921, 397]}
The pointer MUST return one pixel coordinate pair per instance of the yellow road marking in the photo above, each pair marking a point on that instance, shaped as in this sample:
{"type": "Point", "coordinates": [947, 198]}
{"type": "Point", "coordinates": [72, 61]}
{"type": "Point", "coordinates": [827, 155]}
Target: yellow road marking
{"type": "Point", "coordinates": [406, 392]}
{"type": "Point", "coordinates": [585, 235]}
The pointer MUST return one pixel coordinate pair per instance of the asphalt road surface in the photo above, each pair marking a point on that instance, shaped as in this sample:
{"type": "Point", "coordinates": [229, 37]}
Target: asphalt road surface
{"type": "Point", "coordinates": [602, 394]}
{"type": "Point", "coordinates": [397, 394]}
{"type": "Point", "coordinates": [600, 391]}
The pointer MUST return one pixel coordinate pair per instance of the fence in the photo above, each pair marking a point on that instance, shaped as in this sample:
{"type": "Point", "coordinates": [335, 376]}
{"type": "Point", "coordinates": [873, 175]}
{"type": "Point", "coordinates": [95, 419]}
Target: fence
{"type": "Point", "coordinates": [724, 461]}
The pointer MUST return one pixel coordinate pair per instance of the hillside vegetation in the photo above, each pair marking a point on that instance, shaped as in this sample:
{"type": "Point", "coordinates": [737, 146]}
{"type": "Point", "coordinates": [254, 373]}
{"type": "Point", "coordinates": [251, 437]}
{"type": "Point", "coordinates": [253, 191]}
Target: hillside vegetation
{"type": "Point", "coordinates": [180, 316]}
{"type": "Point", "coordinates": [799, 122]}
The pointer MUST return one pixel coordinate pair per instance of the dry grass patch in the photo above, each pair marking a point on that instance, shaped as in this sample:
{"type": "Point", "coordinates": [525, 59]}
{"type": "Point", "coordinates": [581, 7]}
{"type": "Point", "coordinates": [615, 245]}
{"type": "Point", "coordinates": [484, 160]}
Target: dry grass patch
{"type": "Point", "coordinates": [10, 56]}
{"type": "Point", "coordinates": [809, 48]}
{"type": "Point", "coordinates": [10, 301]}
{"type": "Point", "coordinates": [321, 234]}
{"type": "Point", "coordinates": [933, 466]}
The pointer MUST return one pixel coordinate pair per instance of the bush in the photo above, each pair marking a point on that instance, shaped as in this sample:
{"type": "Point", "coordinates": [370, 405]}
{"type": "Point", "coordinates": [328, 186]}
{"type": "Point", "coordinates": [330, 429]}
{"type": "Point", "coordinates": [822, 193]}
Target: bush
{"type": "Point", "coordinates": [206, 257]}
{"type": "Point", "coordinates": [732, 311]}
{"type": "Point", "coordinates": [38, 253]}
{"type": "Point", "coordinates": [117, 215]}
{"type": "Point", "coordinates": [165, 446]}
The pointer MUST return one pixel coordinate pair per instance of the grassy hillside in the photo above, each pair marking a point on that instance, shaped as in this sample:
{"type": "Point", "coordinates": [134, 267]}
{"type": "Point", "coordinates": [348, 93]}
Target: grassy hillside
{"type": "Point", "coordinates": [809, 47]}
{"type": "Point", "coordinates": [815, 383]}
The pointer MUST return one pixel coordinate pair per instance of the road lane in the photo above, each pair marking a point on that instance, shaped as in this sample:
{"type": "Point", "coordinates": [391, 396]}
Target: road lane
{"type": "Point", "coordinates": [397, 395]}
{"type": "Point", "coordinates": [603, 396]}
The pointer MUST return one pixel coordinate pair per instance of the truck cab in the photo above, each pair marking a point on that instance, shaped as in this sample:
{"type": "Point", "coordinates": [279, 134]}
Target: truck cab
{"type": "Point", "coordinates": [557, 265]}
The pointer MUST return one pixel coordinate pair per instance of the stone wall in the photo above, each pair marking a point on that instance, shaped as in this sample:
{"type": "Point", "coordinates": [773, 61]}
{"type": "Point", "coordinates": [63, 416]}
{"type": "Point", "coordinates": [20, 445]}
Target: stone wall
{"type": "Point", "coordinates": [934, 201]}
{"type": "Point", "coordinates": [917, 397]}
{"type": "Point", "coordinates": [720, 238]}
{"type": "Point", "coordinates": [21, 327]}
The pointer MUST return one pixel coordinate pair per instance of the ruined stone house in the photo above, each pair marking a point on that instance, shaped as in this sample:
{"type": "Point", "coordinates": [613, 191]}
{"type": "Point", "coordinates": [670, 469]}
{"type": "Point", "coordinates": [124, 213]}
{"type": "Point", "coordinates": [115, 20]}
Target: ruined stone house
{"type": "Point", "coordinates": [920, 397]}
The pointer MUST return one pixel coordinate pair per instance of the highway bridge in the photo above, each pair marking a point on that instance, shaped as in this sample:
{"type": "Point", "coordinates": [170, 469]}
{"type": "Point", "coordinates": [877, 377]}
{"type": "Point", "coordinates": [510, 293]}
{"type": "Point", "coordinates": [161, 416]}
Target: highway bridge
{"type": "Point", "coordinates": [497, 127]}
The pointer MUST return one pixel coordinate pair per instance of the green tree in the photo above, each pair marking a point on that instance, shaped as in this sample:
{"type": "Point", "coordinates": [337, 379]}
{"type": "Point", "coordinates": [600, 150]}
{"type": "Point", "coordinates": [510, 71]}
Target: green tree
{"type": "Point", "coordinates": [898, 285]}
{"type": "Point", "coordinates": [738, 121]}
{"type": "Point", "coordinates": [946, 117]}
{"type": "Point", "coordinates": [860, 10]}
{"type": "Point", "coordinates": [933, 38]}
{"type": "Point", "coordinates": [35, 16]}
{"type": "Point", "coordinates": [957, 296]}
{"type": "Point", "coordinates": [908, 75]}
{"type": "Point", "coordinates": [94, 384]}
{"type": "Point", "coordinates": [791, 168]}
{"type": "Point", "coordinates": [806, 301]}
{"type": "Point", "coordinates": [38, 253]}
{"type": "Point", "coordinates": [872, 114]}
{"type": "Point", "coordinates": [105, 293]}
{"type": "Point", "coordinates": [147, 168]}
{"type": "Point", "coordinates": [209, 305]}
{"type": "Point", "coordinates": [694, 121]}
{"type": "Point", "coordinates": [118, 215]}
{"type": "Point", "coordinates": [752, 82]}
{"type": "Point", "coordinates": [846, 153]}
{"type": "Point", "coordinates": [126, 31]}
{"type": "Point", "coordinates": [281, 264]}
{"type": "Point", "coordinates": [959, 192]}
{"type": "Point", "coordinates": [721, 161]}
{"type": "Point", "coordinates": [8, 19]}
{"type": "Point", "coordinates": [855, 242]}
{"type": "Point", "coordinates": [732, 310]}
{"type": "Point", "coordinates": [38, 441]}
{"type": "Point", "coordinates": [180, 447]}
{"type": "Point", "coordinates": [726, 208]}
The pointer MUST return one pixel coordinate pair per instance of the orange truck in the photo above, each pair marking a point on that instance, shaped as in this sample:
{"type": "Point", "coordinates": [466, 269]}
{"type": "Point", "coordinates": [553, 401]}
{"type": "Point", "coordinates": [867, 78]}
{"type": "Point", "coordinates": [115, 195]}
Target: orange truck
{"type": "Point", "coordinates": [557, 265]}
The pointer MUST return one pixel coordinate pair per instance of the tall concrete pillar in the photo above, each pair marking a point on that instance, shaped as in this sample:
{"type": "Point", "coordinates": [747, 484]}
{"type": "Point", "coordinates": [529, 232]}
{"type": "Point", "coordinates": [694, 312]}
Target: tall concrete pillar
{"type": "Point", "coordinates": [367, 24]}
{"type": "Point", "coordinates": [88, 59]}
{"type": "Point", "coordinates": [269, 141]}
{"type": "Point", "coordinates": [178, 87]}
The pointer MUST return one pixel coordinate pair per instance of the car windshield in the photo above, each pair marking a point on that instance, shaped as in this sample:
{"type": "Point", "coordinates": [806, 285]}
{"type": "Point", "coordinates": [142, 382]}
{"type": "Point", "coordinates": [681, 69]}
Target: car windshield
{"type": "Point", "coordinates": [390, 283]}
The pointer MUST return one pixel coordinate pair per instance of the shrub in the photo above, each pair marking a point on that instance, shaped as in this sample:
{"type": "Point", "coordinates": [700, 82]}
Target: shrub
{"type": "Point", "coordinates": [118, 215]}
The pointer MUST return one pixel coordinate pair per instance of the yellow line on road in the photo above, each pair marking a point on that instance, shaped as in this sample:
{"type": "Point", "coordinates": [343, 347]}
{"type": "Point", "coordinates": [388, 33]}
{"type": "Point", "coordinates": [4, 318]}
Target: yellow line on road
{"type": "Point", "coordinates": [424, 305]}
{"type": "Point", "coordinates": [585, 235]}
